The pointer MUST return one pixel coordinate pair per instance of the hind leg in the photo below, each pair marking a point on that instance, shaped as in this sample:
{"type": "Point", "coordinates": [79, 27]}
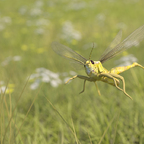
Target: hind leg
{"type": "Point", "coordinates": [123, 81]}
{"type": "Point", "coordinates": [119, 70]}
{"type": "Point", "coordinates": [114, 76]}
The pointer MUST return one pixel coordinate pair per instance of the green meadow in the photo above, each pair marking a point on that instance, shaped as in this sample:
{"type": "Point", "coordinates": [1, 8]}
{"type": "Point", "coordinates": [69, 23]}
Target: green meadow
{"type": "Point", "coordinates": [36, 106]}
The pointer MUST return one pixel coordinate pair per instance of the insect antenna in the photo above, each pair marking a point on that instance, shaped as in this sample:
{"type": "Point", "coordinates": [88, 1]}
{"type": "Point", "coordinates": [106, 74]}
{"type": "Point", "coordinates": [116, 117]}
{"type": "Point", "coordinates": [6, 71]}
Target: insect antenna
{"type": "Point", "coordinates": [91, 52]}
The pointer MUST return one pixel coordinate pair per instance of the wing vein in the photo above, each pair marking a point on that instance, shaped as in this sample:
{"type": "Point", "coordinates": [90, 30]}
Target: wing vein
{"type": "Point", "coordinates": [132, 40]}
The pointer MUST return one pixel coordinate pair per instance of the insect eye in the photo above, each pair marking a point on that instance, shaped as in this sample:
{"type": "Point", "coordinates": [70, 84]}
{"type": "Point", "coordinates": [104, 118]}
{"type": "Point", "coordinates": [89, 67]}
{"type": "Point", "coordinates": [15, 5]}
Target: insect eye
{"type": "Point", "coordinates": [92, 61]}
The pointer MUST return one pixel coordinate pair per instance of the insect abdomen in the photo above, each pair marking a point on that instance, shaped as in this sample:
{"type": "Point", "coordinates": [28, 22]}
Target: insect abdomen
{"type": "Point", "coordinates": [110, 81]}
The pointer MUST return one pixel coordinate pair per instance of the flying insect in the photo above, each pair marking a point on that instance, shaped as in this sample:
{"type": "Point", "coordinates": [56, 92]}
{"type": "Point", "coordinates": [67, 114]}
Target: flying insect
{"type": "Point", "coordinates": [94, 69]}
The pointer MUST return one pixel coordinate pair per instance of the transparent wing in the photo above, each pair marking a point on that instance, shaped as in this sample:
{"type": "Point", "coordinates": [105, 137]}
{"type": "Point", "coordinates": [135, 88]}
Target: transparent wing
{"type": "Point", "coordinates": [132, 40]}
{"type": "Point", "coordinates": [68, 53]}
{"type": "Point", "coordinates": [114, 43]}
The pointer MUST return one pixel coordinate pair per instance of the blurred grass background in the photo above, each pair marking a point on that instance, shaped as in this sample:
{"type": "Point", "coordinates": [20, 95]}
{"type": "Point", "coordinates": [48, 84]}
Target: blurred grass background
{"type": "Point", "coordinates": [27, 29]}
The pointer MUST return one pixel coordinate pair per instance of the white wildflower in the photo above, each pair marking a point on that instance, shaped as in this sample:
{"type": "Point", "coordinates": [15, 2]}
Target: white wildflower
{"type": "Point", "coordinates": [55, 83]}
{"type": "Point", "coordinates": [17, 58]}
{"type": "Point", "coordinates": [7, 20]}
{"type": "Point", "coordinates": [2, 27]}
{"type": "Point", "coordinates": [39, 31]}
{"type": "Point", "coordinates": [6, 61]}
{"type": "Point", "coordinates": [100, 17]}
{"type": "Point", "coordinates": [54, 75]}
{"type": "Point", "coordinates": [45, 79]}
{"type": "Point", "coordinates": [34, 85]}
{"type": "Point", "coordinates": [2, 89]}
{"type": "Point", "coordinates": [77, 5]}
{"type": "Point", "coordinates": [22, 10]}
{"type": "Point", "coordinates": [126, 60]}
{"type": "Point", "coordinates": [68, 32]}
{"type": "Point", "coordinates": [33, 76]}
{"type": "Point", "coordinates": [39, 70]}
{"type": "Point", "coordinates": [39, 3]}
{"type": "Point", "coordinates": [35, 12]}
{"type": "Point", "coordinates": [42, 22]}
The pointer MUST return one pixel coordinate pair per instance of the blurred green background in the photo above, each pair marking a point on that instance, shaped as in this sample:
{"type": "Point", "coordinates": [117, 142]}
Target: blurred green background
{"type": "Point", "coordinates": [27, 29]}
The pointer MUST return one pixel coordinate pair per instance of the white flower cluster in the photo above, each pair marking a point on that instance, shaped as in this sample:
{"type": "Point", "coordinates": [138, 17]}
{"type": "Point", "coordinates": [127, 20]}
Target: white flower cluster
{"type": "Point", "coordinates": [4, 21]}
{"type": "Point", "coordinates": [10, 58]}
{"type": "Point", "coordinates": [37, 20]}
{"type": "Point", "coordinates": [69, 33]}
{"type": "Point", "coordinates": [47, 76]}
{"type": "Point", "coordinates": [44, 75]}
{"type": "Point", "coordinates": [126, 60]}
{"type": "Point", "coordinates": [6, 89]}
{"type": "Point", "coordinates": [74, 5]}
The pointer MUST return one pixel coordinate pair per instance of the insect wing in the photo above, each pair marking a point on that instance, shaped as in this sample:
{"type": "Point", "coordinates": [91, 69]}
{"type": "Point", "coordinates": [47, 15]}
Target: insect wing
{"type": "Point", "coordinates": [114, 43]}
{"type": "Point", "coordinates": [68, 53]}
{"type": "Point", "coordinates": [132, 40]}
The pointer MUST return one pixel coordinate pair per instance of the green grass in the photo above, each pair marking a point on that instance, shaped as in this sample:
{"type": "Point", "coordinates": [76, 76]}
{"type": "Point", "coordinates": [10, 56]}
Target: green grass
{"type": "Point", "coordinates": [59, 114]}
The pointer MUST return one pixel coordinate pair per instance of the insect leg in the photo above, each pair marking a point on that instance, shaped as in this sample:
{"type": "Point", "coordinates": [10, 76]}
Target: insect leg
{"type": "Point", "coordinates": [136, 64]}
{"type": "Point", "coordinates": [112, 76]}
{"type": "Point", "coordinates": [71, 79]}
{"type": "Point", "coordinates": [88, 79]}
{"type": "Point", "coordinates": [122, 79]}
{"type": "Point", "coordinates": [97, 88]}
{"type": "Point", "coordinates": [119, 70]}
{"type": "Point", "coordinates": [81, 77]}
{"type": "Point", "coordinates": [85, 78]}
{"type": "Point", "coordinates": [83, 87]}
{"type": "Point", "coordinates": [95, 85]}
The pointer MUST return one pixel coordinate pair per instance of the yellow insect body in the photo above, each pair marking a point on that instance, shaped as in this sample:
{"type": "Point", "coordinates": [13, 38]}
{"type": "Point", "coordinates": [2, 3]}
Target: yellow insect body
{"type": "Point", "coordinates": [94, 69]}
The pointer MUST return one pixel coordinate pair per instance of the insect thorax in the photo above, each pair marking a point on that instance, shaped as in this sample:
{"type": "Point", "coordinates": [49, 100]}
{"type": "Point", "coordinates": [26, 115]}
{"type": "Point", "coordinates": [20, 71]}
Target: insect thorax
{"type": "Point", "coordinates": [93, 68]}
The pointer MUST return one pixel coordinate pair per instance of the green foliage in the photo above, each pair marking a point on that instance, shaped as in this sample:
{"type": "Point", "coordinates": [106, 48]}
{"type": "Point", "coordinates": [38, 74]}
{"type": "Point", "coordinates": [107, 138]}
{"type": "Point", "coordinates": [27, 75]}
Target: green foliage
{"type": "Point", "coordinates": [53, 112]}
